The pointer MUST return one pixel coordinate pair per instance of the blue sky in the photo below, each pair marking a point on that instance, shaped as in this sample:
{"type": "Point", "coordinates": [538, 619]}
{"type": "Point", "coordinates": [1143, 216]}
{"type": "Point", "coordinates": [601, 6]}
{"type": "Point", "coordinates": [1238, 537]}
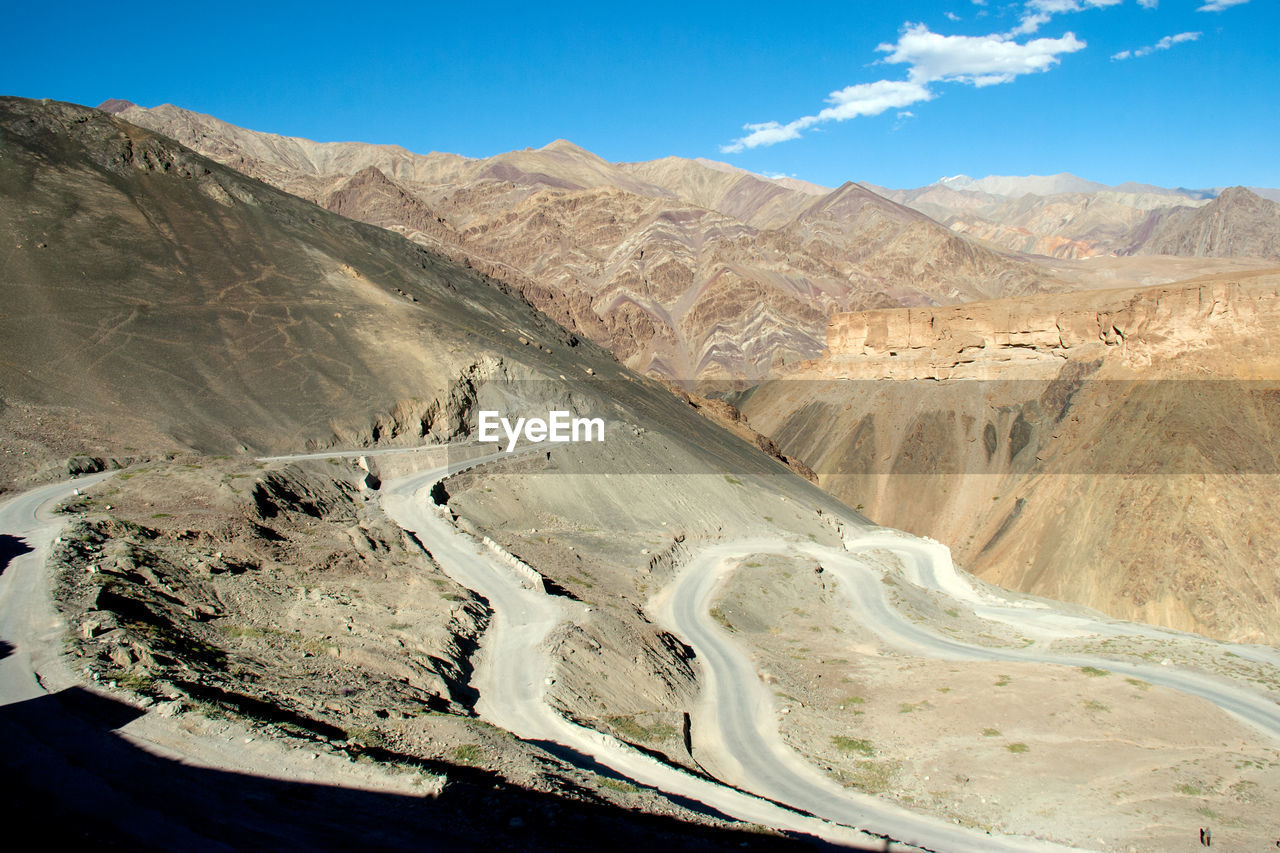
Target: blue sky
{"type": "Point", "coordinates": [1169, 92]}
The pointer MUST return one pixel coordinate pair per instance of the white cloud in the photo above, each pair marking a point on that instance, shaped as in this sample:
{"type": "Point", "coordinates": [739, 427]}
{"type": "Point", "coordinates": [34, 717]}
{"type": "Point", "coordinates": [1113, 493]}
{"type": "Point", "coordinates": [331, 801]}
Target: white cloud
{"type": "Point", "coordinates": [863, 99]}
{"type": "Point", "coordinates": [1036, 13]}
{"type": "Point", "coordinates": [1164, 44]}
{"type": "Point", "coordinates": [1148, 4]}
{"type": "Point", "coordinates": [931, 58]}
{"type": "Point", "coordinates": [764, 133]}
{"type": "Point", "coordinates": [906, 114]}
{"type": "Point", "coordinates": [1219, 5]}
{"type": "Point", "coordinates": [871, 99]}
{"type": "Point", "coordinates": [952, 16]}
{"type": "Point", "coordinates": [979, 60]}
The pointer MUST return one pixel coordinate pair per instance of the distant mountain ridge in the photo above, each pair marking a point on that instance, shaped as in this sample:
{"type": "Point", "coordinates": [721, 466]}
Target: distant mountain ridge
{"type": "Point", "coordinates": [697, 269]}
{"type": "Point", "coordinates": [685, 269]}
{"type": "Point", "coordinates": [1007, 185]}
{"type": "Point", "coordinates": [1064, 216]}
{"type": "Point", "coordinates": [1065, 182]}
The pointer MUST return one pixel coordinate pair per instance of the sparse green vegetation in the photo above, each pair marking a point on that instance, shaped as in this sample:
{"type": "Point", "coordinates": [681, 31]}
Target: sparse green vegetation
{"type": "Point", "coordinates": [991, 733]}
{"type": "Point", "coordinates": [251, 632]}
{"type": "Point", "coordinates": [1094, 672]}
{"type": "Point", "coordinates": [1096, 706]}
{"type": "Point", "coordinates": [366, 737]}
{"type": "Point", "coordinates": [873, 777]}
{"type": "Point", "coordinates": [616, 785]}
{"type": "Point", "coordinates": [1017, 747]}
{"type": "Point", "coordinates": [136, 681]}
{"type": "Point", "coordinates": [952, 612]}
{"type": "Point", "coordinates": [718, 614]}
{"type": "Point", "coordinates": [732, 480]}
{"type": "Point", "coordinates": [468, 753]}
{"type": "Point", "coordinates": [632, 730]}
{"type": "Point", "coordinates": [853, 745]}
{"type": "Point", "coordinates": [908, 707]}
{"type": "Point", "coordinates": [1188, 789]}
{"type": "Point", "coordinates": [1138, 683]}
{"type": "Point", "coordinates": [1003, 681]}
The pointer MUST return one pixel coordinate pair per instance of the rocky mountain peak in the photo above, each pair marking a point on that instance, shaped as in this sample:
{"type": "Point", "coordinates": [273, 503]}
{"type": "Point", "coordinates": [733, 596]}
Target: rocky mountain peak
{"type": "Point", "coordinates": [115, 105]}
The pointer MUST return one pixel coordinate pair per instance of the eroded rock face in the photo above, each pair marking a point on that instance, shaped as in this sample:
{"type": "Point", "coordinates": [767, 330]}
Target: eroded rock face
{"type": "Point", "coordinates": [1032, 339]}
{"type": "Point", "coordinates": [1111, 448]}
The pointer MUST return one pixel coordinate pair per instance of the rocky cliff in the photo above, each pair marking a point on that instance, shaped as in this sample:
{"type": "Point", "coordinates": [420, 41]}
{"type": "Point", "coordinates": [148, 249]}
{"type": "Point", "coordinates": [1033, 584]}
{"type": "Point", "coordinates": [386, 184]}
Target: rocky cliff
{"type": "Point", "coordinates": [1112, 448]}
{"type": "Point", "coordinates": [1021, 338]}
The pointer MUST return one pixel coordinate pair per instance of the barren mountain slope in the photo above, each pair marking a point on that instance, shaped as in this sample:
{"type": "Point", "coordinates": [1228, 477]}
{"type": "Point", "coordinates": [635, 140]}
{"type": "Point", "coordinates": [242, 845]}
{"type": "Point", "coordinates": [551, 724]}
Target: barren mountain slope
{"type": "Point", "coordinates": [157, 301]}
{"type": "Point", "coordinates": [1238, 223]}
{"type": "Point", "coordinates": [683, 268]}
{"type": "Point", "coordinates": [148, 285]}
{"type": "Point", "coordinates": [758, 201]}
{"type": "Point", "coordinates": [1113, 448]}
{"type": "Point", "coordinates": [145, 282]}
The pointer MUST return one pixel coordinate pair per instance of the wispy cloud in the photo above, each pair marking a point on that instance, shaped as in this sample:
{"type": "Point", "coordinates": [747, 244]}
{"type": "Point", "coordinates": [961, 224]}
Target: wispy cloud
{"type": "Point", "coordinates": [1164, 44]}
{"type": "Point", "coordinates": [931, 58]}
{"type": "Point", "coordinates": [864, 99]}
{"type": "Point", "coordinates": [1219, 5]}
{"type": "Point", "coordinates": [1148, 4]}
{"type": "Point", "coordinates": [1037, 13]}
{"type": "Point", "coordinates": [952, 16]}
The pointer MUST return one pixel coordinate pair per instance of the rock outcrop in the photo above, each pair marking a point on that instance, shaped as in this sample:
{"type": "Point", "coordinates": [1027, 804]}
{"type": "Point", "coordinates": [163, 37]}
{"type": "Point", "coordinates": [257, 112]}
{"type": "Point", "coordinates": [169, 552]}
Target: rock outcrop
{"type": "Point", "coordinates": [1017, 338]}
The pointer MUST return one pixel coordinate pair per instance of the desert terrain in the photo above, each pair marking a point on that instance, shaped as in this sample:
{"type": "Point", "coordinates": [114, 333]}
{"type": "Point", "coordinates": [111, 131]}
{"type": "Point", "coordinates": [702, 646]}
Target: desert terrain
{"type": "Point", "coordinates": [938, 543]}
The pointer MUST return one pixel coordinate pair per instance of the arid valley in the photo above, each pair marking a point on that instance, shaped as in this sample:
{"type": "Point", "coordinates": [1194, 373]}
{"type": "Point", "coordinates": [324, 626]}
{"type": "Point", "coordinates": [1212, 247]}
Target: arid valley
{"type": "Point", "coordinates": [358, 497]}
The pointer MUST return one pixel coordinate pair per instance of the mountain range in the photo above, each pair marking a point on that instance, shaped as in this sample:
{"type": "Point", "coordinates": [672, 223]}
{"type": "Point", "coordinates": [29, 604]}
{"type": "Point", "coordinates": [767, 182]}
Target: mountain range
{"type": "Point", "coordinates": [1064, 216]}
{"type": "Point", "coordinates": [682, 268]}
{"type": "Point", "coordinates": [695, 269]}
{"type": "Point", "coordinates": [309, 542]}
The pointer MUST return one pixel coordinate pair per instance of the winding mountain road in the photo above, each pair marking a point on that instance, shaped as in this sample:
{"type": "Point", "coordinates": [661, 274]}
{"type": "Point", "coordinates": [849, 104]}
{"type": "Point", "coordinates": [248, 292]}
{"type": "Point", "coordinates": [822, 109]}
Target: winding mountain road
{"type": "Point", "coordinates": [773, 785]}
{"type": "Point", "coordinates": [737, 717]}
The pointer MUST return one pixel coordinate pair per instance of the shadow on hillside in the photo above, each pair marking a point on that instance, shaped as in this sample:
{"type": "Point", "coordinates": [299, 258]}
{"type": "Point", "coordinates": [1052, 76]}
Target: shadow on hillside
{"type": "Point", "coordinates": [70, 777]}
{"type": "Point", "coordinates": [11, 547]}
